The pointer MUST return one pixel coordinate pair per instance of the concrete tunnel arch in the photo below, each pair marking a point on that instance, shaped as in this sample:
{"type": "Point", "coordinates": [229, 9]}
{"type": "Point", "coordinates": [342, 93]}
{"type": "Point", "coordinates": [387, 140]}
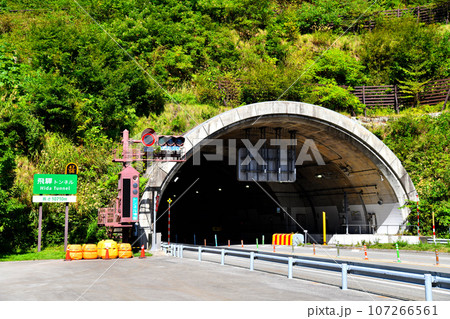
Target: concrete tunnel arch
{"type": "Point", "coordinates": [357, 164]}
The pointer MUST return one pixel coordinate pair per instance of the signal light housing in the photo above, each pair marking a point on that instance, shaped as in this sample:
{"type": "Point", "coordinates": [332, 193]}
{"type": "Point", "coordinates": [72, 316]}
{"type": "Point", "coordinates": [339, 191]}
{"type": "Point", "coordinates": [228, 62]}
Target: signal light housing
{"type": "Point", "coordinates": [171, 140]}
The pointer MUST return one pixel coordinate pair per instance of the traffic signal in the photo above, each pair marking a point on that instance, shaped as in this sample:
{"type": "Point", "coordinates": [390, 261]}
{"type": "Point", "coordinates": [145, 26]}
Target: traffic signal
{"type": "Point", "coordinates": [170, 140]}
{"type": "Point", "coordinates": [129, 195]}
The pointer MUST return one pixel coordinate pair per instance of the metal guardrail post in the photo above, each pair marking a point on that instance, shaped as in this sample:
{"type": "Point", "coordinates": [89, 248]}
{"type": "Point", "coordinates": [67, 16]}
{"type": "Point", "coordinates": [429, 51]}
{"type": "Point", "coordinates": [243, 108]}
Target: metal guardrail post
{"type": "Point", "coordinates": [428, 288]}
{"type": "Point", "coordinates": [252, 261]}
{"type": "Point", "coordinates": [181, 251]}
{"type": "Point", "coordinates": [344, 276]}
{"type": "Point", "coordinates": [290, 264]}
{"type": "Point", "coordinates": [222, 259]}
{"type": "Point", "coordinates": [199, 253]}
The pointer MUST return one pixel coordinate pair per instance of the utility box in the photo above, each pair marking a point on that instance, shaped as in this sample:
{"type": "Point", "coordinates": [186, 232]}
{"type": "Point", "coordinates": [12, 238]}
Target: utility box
{"type": "Point", "coordinates": [129, 195]}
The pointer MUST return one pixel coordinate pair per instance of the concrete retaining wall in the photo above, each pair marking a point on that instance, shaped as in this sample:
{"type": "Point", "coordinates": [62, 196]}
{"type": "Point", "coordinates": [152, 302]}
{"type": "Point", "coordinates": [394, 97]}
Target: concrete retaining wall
{"type": "Point", "coordinates": [382, 239]}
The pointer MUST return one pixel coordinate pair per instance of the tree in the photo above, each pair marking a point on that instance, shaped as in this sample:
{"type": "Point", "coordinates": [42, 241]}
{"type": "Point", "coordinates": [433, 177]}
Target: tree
{"type": "Point", "coordinates": [413, 87]}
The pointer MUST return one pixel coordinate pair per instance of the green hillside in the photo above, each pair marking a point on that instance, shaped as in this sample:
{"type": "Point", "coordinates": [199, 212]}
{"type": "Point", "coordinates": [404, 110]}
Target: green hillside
{"type": "Point", "coordinates": [74, 74]}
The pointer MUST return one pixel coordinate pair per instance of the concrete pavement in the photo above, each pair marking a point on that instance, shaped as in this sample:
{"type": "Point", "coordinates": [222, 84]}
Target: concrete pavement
{"type": "Point", "coordinates": [157, 278]}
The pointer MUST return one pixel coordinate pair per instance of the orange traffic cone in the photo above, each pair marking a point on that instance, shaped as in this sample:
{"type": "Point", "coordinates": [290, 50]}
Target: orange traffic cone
{"type": "Point", "coordinates": [365, 253]}
{"type": "Point", "coordinates": [107, 253]}
{"type": "Point", "coordinates": [68, 255]}
{"type": "Point", "coordinates": [142, 252]}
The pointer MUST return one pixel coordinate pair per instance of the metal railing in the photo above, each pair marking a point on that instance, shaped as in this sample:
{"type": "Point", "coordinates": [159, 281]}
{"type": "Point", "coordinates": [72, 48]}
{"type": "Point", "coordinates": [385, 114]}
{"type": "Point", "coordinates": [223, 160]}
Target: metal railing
{"type": "Point", "coordinates": [427, 279]}
{"type": "Point", "coordinates": [438, 241]}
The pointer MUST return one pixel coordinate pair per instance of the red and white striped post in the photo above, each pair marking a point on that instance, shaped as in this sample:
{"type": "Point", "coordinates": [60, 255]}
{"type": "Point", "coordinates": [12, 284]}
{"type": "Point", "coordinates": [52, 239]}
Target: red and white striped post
{"type": "Point", "coordinates": [168, 222]}
{"type": "Point", "coordinates": [434, 230]}
{"type": "Point", "coordinates": [418, 223]}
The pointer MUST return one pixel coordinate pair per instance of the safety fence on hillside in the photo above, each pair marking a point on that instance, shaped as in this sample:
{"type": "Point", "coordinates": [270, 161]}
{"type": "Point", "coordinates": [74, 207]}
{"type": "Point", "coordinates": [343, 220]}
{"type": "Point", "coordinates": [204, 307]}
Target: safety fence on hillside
{"type": "Point", "coordinates": [428, 14]}
{"type": "Point", "coordinates": [381, 96]}
{"type": "Point", "coordinates": [425, 14]}
{"type": "Point", "coordinates": [391, 96]}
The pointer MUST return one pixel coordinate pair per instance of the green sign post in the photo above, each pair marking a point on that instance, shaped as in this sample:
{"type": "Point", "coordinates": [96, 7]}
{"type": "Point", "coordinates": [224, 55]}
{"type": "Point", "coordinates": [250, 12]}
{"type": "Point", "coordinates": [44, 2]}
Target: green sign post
{"type": "Point", "coordinates": [55, 184]}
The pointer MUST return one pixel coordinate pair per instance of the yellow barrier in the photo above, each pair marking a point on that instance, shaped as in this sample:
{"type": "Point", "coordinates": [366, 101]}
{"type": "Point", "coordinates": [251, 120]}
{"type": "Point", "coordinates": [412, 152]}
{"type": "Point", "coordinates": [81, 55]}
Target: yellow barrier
{"type": "Point", "coordinates": [282, 239]}
{"type": "Point", "coordinates": [89, 251]}
{"type": "Point", "coordinates": [75, 252]}
{"type": "Point", "coordinates": [125, 251]}
{"type": "Point", "coordinates": [112, 249]}
{"type": "Point", "coordinates": [100, 248]}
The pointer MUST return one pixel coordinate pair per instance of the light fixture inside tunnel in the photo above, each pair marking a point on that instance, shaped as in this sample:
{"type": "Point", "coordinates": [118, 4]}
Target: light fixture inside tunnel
{"type": "Point", "coordinates": [380, 201]}
{"type": "Point", "coordinates": [319, 176]}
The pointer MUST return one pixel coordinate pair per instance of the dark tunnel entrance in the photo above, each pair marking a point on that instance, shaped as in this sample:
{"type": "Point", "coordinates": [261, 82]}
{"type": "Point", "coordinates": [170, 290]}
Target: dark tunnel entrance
{"type": "Point", "coordinates": [218, 204]}
{"type": "Point", "coordinates": [210, 198]}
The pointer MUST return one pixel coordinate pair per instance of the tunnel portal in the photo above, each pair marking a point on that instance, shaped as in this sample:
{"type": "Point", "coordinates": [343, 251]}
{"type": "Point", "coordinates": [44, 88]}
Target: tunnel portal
{"type": "Point", "coordinates": [327, 163]}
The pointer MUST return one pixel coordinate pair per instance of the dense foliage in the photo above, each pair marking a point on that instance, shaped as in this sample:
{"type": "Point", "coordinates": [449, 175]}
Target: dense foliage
{"type": "Point", "coordinates": [73, 74]}
{"type": "Point", "coordinates": [422, 143]}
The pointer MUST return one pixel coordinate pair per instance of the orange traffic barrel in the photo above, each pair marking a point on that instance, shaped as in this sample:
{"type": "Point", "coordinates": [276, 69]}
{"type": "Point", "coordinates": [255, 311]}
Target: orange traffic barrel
{"type": "Point", "coordinates": [75, 251]}
{"type": "Point", "coordinates": [125, 251]}
{"type": "Point", "coordinates": [89, 251]}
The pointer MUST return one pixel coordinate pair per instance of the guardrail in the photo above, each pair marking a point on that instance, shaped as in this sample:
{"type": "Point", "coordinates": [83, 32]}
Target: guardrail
{"type": "Point", "coordinates": [381, 96]}
{"type": "Point", "coordinates": [427, 279]}
{"type": "Point", "coordinates": [438, 241]}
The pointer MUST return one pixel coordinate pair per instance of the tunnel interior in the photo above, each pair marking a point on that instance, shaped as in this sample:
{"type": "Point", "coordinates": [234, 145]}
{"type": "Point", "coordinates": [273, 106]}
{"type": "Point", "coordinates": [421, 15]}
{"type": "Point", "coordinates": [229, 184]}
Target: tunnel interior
{"type": "Point", "coordinates": [216, 203]}
{"type": "Point", "coordinates": [210, 200]}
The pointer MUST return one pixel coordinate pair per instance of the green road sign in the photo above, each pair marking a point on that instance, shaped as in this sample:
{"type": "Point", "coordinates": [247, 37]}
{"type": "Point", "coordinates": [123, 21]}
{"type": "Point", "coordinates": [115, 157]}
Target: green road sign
{"type": "Point", "coordinates": [55, 184]}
